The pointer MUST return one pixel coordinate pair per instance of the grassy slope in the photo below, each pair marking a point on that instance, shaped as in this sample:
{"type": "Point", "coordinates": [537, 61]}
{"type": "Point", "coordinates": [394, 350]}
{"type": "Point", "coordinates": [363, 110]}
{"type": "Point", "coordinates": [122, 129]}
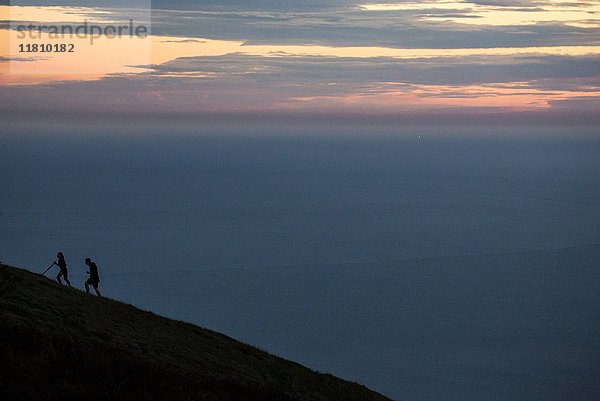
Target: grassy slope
{"type": "Point", "coordinates": [60, 343]}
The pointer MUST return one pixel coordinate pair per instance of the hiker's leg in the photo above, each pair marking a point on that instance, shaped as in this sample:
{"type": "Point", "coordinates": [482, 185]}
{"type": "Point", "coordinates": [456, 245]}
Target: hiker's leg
{"type": "Point", "coordinates": [87, 287]}
{"type": "Point", "coordinates": [65, 276]}
{"type": "Point", "coordinates": [58, 277]}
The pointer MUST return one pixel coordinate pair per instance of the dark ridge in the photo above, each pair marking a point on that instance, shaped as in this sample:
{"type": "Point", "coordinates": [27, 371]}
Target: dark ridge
{"type": "Point", "coordinates": [58, 343]}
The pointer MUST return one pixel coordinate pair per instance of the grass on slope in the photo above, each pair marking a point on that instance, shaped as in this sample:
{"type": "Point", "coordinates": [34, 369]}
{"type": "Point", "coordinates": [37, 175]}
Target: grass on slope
{"type": "Point", "coordinates": [58, 343]}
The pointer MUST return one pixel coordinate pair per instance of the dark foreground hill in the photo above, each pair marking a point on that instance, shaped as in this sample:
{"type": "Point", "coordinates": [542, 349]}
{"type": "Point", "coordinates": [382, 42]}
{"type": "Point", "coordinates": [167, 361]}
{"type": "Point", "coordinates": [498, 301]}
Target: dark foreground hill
{"type": "Point", "coordinates": [58, 343]}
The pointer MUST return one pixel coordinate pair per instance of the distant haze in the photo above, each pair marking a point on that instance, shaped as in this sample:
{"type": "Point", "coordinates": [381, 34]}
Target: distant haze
{"type": "Point", "coordinates": [423, 266]}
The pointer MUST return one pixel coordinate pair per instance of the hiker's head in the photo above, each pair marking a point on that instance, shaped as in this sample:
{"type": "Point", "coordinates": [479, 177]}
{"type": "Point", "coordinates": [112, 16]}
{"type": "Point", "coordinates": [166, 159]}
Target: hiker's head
{"type": "Point", "coordinates": [59, 255]}
{"type": "Point", "coordinates": [88, 261]}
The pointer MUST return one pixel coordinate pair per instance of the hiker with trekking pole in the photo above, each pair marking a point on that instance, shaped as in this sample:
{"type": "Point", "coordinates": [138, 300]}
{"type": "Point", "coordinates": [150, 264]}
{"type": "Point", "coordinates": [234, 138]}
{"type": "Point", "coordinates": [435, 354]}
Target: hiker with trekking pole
{"type": "Point", "coordinates": [60, 262]}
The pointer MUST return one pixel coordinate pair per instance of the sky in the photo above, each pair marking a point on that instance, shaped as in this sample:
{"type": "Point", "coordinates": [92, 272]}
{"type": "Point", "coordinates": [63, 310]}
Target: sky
{"type": "Point", "coordinates": [443, 61]}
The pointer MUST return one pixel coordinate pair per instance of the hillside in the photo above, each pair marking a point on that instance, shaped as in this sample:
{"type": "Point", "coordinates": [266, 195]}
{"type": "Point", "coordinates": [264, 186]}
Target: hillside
{"type": "Point", "coordinates": [58, 343]}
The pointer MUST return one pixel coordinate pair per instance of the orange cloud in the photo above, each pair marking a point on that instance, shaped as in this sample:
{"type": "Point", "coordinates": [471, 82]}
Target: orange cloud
{"type": "Point", "coordinates": [514, 95]}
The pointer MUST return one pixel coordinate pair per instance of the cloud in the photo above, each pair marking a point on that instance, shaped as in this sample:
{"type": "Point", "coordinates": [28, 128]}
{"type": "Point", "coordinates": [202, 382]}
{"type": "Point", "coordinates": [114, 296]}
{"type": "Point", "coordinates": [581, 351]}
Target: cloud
{"type": "Point", "coordinates": [309, 70]}
{"type": "Point", "coordinates": [352, 27]}
{"type": "Point", "coordinates": [239, 82]}
{"type": "Point", "coordinates": [224, 70]}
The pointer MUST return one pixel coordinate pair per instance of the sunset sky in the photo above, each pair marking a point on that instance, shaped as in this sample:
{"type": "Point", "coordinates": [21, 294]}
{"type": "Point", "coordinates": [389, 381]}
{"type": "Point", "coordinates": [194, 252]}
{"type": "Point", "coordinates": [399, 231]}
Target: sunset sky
{"type": "Point", "coordinates": [531, 60]}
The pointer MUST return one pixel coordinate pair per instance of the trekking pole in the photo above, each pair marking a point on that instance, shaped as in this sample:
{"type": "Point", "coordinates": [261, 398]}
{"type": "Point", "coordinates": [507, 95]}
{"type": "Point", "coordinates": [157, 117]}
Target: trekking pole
{"type": "Point", "coordinates": [53, 263]}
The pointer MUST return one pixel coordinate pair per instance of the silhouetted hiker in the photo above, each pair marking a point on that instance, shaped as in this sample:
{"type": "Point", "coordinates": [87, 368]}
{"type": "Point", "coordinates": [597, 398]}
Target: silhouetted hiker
{"type": "Point", "coordinates": [94, 279]}
{"type": "Point", "coordinates": [63, 269]}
